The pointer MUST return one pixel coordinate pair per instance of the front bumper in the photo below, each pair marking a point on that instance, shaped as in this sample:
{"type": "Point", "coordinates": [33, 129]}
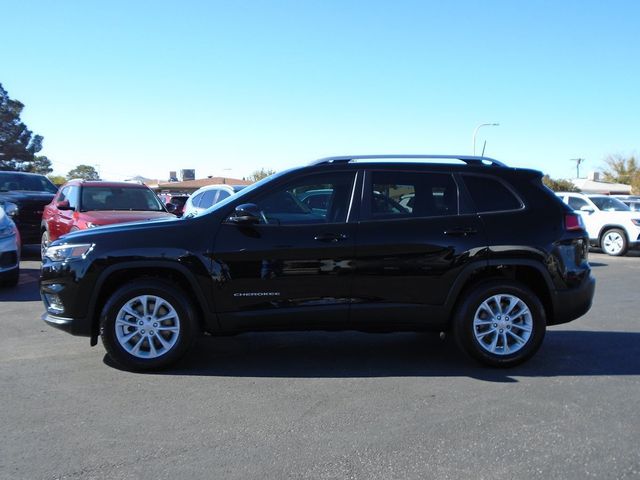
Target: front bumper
{"type": "Point", "coordinates": [74, 326]}
{"type": "Point", "coordinates": [9, 253]}
{"type": "Point", "coordinates": [572, 303]}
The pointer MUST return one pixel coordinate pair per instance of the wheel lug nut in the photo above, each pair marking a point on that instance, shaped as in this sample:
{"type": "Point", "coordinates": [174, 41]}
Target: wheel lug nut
{"type": "Point", "coordinates": [500, 330]}
{"type": "Point", "coordinates": [142, 331]}
{"type": "Point", "coordinates": [140, 323]}
{"type": "Point", "coordinates": [495, 325]}
{"type": "Point", "coordinates": [498, 317]}
{"type": "Point", "coordinates": [151, 332]}
{"type": "Point", "coordinates": [508, 327]}
{"type": "Point", "coordinates": [155, 325]}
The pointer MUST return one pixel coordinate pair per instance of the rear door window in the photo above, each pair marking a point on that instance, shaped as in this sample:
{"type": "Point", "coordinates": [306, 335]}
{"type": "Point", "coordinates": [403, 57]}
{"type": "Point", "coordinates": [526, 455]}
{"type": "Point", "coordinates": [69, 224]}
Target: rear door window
{"type": "Point", "coordinates": [395, 194]}
{"type": "Point", "coordinates": [491, 195]}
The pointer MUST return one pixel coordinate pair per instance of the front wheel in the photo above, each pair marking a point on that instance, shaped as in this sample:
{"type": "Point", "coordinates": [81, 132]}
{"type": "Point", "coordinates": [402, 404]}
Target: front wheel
{"type": "Point", "coordinates": [147, 325]}
{"type": "Point", "coordinates": [44, 243]}
{"type": "Point", "coordinates": [500, 323]}
{"type": "Point", "coordinates": [614, 242]}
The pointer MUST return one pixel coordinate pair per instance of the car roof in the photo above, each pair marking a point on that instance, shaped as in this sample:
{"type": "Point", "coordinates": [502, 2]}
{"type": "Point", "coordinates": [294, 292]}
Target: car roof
{"type": "Point", "coordinates": [13, 172]}
{"type": "Point", "coordinates": [219, 186]}
{"type": "Point", "coordinates": [101, 183]}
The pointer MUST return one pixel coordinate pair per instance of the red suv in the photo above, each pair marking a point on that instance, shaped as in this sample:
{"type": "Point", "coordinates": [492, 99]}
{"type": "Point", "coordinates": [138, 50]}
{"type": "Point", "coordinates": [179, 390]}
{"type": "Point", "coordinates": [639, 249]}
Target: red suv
{"type": "Point", "coordinates": [81, 204]}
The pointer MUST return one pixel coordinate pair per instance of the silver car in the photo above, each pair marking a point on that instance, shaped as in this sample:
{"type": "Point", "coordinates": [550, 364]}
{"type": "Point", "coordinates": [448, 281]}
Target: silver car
{"type": "Point", "coordinates": [9, 251]}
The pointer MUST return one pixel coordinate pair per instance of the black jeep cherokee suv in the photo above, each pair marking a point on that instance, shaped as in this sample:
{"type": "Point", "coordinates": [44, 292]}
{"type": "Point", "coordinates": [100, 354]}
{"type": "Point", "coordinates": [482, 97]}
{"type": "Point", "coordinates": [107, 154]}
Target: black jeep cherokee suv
{"type": "Point", "coordinates": [401, 243]}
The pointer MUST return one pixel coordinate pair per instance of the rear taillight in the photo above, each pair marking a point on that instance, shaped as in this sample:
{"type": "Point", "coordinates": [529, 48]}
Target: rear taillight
{"type": "Point", "coordinates": [573, 222]}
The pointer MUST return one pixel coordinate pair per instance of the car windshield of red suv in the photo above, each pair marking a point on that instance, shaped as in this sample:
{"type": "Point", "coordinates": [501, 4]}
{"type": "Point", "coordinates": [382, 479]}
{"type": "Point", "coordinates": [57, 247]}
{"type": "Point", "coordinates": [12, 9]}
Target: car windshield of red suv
{"type": "Point", "coordinates": [119, 198]}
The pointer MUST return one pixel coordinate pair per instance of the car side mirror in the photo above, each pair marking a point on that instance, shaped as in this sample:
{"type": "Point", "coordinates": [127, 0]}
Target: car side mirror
{"type": "Point", "coordinates": [586, 208]}
{"type": "Point", "coordinates": [171, 208]}
{"type": "Point", "coordinates": [63, 205]}
{"type": "Point", "coordinates": [246, 214]}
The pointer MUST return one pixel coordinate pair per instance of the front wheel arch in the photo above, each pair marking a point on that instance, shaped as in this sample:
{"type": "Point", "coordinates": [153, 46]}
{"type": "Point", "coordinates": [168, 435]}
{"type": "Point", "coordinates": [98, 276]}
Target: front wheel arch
{"type": "Point", "coordinates": [116, 275]}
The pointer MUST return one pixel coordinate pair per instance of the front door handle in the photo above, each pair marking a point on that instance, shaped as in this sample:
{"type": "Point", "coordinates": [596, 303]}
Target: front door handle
{"type": "Point", "coordinates": [330, 237]}
{"type": "Point", "coordinates": [461, 231]}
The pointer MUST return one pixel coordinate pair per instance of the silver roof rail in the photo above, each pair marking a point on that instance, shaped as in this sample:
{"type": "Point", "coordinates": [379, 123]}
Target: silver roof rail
{"type": "Point", "coordinates": [468, 159]}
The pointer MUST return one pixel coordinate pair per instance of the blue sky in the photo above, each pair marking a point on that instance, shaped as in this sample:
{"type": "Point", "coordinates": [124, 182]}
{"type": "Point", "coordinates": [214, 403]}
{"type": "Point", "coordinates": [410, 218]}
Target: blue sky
{"type": "Point", "coordinates": [226, 87]}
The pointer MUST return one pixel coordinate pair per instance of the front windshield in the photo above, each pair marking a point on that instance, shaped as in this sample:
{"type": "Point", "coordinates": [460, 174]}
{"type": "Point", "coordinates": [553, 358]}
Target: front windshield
{"type": "Point", "coordinates": [119, 198]}
{"type": "Point", "coordinates": [609, 204]}
{"type": "Point", "coordinates": [11, 181]}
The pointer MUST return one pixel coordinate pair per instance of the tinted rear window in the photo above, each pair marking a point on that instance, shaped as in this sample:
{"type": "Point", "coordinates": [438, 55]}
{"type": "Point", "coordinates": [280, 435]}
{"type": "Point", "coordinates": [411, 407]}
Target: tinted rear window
{"type": "Point", "coordinates": [490, 195]}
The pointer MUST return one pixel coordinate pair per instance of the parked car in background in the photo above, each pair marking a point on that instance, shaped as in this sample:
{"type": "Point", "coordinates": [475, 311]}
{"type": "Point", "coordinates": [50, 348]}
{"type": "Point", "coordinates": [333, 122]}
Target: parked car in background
{"type": "Point", "coordinates": [485, 252]}
{"type": "Point", "coordinates": [178, 200]}
{"type": "Point", "coordinates": [9, 250]}
{"type": "Point", "coordinates": [612, 225]}
{"type": "Point", "coordinates": [84, 204]}
{"type": "Point", "coordinates": [205, 197]}
{"type": "Point", "coordinates": [24, 196]}
{"type": "Point", "coordinates": [631, 201]}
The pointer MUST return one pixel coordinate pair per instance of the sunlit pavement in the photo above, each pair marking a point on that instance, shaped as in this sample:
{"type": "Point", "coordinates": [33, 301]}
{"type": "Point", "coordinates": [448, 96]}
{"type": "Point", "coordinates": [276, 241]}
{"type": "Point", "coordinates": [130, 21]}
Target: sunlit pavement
{"type": "Point", "coordinates": [326, 405]}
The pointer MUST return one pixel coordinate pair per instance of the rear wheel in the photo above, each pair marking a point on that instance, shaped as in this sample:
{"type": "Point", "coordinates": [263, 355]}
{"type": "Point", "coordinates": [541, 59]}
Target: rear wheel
{"type": "Point", "coordinates": [500, 323]}
{"type": "Point", "coordinates": [614, 242]}
{"type": "Point", "coordinates": [147, 325]}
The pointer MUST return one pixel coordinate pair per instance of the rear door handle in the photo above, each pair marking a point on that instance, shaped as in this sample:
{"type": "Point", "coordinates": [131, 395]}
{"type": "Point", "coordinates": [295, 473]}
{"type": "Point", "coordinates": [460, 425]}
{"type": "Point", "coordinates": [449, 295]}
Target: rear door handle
{"type": "Point", "coordinates": [461, 231]}
{"type": "Point", "coordinates": [330, 237]}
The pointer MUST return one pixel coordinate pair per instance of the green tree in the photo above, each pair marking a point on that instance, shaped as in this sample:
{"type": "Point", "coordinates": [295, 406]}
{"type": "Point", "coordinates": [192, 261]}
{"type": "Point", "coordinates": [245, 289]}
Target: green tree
{"type": "Point", "coordinates": [621, 169]}
{"type": "Point", "coordinates": [260, 174]}
{"type": "Point", "coordinates": [86, 172]}
{"type": "Point", "coordinates": [57, 180]}
{"type": "Point", "coordinates": [559, 185]}
{"type": "Point", "coordinates": [41, 164]}
{"type": "Point", "coordinates": [18, 145]}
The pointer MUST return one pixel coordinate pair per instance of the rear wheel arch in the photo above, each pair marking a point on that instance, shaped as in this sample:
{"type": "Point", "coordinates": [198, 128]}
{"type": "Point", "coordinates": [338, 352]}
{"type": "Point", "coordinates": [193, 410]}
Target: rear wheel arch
{"type": "Point", "coordinates": [530, 274]}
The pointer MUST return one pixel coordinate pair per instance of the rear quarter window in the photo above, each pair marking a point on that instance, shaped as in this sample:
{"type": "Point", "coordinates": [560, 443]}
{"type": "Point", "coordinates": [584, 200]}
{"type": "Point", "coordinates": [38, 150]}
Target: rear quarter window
{"type": "Point", "coordinates": [491, 195]}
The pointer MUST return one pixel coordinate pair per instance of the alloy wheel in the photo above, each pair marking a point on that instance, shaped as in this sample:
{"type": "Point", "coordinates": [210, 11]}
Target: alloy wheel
{"type": "Point", "coordinates": [147, 326]}
{"type": "Point", "coordinates": [502, 324]}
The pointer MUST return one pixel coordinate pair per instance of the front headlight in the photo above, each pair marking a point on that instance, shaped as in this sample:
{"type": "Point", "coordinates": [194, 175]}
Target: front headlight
{"type": "Point", "coordinates": [61, 253]}
{"type": "Point", "coordinates": [10, 208]}
{"type": "Point", "coordinates": [636, 221]}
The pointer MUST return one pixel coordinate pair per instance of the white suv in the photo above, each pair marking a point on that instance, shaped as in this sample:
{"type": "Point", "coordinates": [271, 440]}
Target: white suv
{"type": "Point", "coordinates": [207, 196]}
{"type": "Point", "coordinates": [611, 224]}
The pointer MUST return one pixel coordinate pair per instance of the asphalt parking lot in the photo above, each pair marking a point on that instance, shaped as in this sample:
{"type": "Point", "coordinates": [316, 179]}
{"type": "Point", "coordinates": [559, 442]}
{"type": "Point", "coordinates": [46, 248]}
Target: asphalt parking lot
{"type": "Point", "coordinates": [326, 405]}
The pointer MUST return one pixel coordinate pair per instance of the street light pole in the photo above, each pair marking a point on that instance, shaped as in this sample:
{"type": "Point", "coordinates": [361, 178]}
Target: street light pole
{"type": "Point", "coordinates": [578, 162]}
{"type": "Point", "coordinates": [475, 132]}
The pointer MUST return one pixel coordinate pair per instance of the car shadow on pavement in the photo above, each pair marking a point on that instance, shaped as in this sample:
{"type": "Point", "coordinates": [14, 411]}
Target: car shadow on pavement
{"type": "Point", "coordinates": [354, 354]}
{"type": "Point", "coordinates": [27, 289]}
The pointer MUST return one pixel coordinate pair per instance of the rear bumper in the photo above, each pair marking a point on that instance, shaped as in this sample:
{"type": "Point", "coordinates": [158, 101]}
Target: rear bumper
{"type": "Point", "coordinates": [572, 303]}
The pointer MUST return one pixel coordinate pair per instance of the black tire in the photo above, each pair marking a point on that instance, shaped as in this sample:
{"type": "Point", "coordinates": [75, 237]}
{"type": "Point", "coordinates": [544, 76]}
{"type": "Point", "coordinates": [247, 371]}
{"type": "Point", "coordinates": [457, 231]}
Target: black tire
{"type": "Point", "coordinates": [477, 340]}
{"type": "Point", "coordinates": [183, 324]}
{"type": "Point", "coordinates": [619, 249]}
{"type": "Point", "coordinates": [10, 278]}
